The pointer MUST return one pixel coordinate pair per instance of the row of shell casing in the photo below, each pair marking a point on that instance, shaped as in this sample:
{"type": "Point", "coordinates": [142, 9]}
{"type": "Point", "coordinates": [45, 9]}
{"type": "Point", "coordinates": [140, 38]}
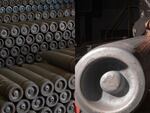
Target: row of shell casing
{"type": "Point", "coordinates": [40, 87]}
{"type": "Point", "coordinates": [22, 42]}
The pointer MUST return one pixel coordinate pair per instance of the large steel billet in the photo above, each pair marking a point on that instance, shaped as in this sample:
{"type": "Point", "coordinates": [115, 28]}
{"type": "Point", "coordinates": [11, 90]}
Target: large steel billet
{"type": "Point", "coordinates": [23, 106]}
{"type": "Point", "coordinates": [6, 107]}
{"type": "Point", "coordinates": [59, 59]}
{"type": "Point", "coordinates": [31, 90]}
{"type": "Point", "coordinates": [46, 87]}
{"type": "Point", "coordinates": [10, 90]}
{"type": "Point", "coordinates": [59, 82]}
{"type": "Point", "coordinates": [118, 75]}
{"type": "Point", "coordinates": [68, 76]}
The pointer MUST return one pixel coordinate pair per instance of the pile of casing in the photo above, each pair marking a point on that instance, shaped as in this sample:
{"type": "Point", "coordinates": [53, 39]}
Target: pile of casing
{"type": "Point", "coordinates": [46, 87]}
{"type": "Point", "coordinates": [28, 27]}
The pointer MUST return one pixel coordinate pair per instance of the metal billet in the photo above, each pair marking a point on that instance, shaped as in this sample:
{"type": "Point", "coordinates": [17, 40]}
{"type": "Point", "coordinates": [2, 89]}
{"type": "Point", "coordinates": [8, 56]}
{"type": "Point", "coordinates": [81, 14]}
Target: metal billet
{"type": "Point", "coordinates": [71, 107]}
{"type": "Point", "coordinates": [10, 61]}
{"type": "Point", "coordinates": [31, 90]}
{"type": "Point", "coordinates": [38, 103]}
{"type": "Point", "coordinates": [52, 100]}
{"type": "Point", "coordinates": [62, 44]}
{"type": "Point", "coordinates": [119, 79]}
{"type": "Point", "coordinates": [6, 107]}
{"type": "Point", "coordinates": [65, 96]}
{"type": "Point", "coordinates": [62, 60]}
{"type": "Point", "coordinates": [53, 45]}
{"type": "Point", "coordinates": [10, 90]}
{"type": "Point", "coordinates": [9, 42]}
{"type": "Point", "coordinates": [68, 76]}
{"type": "Point", "coordinates": [45, 110]}
{"type": "Point", "coordinates": [23, 106]}
{"type": "Point", "coordinates": [46, 87]}
{"type": "Point", "coordinates": [60, 83]}
{"type": "Point", "coordinates": [59, 108]}
{"type": "Point", "coordinates": [30, 58]}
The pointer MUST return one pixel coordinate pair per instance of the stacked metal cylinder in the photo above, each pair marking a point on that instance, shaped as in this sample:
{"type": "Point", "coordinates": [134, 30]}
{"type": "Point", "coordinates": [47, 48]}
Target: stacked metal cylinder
{"type": "Point", "coordinates": [46, 87]}
{"type": "Point", "coordinates": [28, 27]}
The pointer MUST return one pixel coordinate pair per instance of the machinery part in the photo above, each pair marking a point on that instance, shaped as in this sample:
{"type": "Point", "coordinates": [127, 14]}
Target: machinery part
{"type": "Point", "coordinates": [46, 87]}
{"type": "Point", "coordinates": [52, 100]}
{"type": "Point", "coordinates": [62, 60]}
{"type": "Point", "coordinates": [65, 96]}
{"type": "Point", "coordinates": [59, 108]}
{"type": "Point", "coordinates": [53, 45]}
{"type": "Point", "coordinates": [9, 42]}
{"type": "Point", "coordinates": [71, 107]}
{"type": "Point", "coordinates": [25, 49]}
{"type": "Point", "coordinates": [117, 84]}
{"type": "Point", "coordinates": [39, 38]}
{"type": "Point", "coordinates": [59, 82]}
{"type": "Point", "coordinates": [68, 76]}
{"type": "Point", "coordinates": [23, 106]}
{"type": "Point", "coordinates": [62, 44]}
{"type": "Point", "coordinates": [46, 110]}
{"type": "Point", "coordinates": [31, 90]}
{"type": "Point", "coordinates": [6, 107]}
{"type": "Point", "coordinates": [20, 40]}
{"type": "Point", "coordinates": [38, 103]}
{"type": "Point", "coordinates": [10, 61]}
{"type": "Point", "coordinates": [10, 90]}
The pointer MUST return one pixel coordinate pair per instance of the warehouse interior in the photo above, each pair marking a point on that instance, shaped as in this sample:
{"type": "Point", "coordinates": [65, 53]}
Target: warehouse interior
{"type": "Point", "coordinates": [104, 30]}
{"type": "Point", "coordinates": [37, 56]}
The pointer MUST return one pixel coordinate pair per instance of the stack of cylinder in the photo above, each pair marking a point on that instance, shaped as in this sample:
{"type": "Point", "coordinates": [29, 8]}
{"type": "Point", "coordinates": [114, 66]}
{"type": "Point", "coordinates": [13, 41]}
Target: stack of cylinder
{"type": "Point", "coordinates": [28, 27]}
{"type": "Point", "coordinates": [45, 87]}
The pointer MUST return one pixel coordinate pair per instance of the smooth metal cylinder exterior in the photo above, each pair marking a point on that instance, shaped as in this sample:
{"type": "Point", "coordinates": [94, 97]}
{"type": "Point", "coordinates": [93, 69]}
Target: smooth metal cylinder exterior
{"type": "Point", "coordinates": [52, 100]}
{"type": "Point", "coordinates": [65, 96]}
{"type": "Point", "coordinates": [45, 110]}
{"type": "Point", "coordinates": [6, 107]}
{"type": "Point", "coordinates": [68, 76]}
{"type": "Point", "coordinates": [23, 106]}
{"type": "Point", "coordinates": [107, 62]}
{"type": "Point", "coordinates": [10, 90]}
{"type": "Point", "coordinates": [31, 90]}
{"type": "Point", "coordinates": [58, 59]}
{"type": "Point", "coordinates": [59, 82]}
{"type": "Point", "coordinates": [71, 107]}
{"type": "Point", "coordinates": [38, 103]}
{"type": "Point", "coordinates": [59, 108]}
{"type": "Point", "coordinates": [46, 87]}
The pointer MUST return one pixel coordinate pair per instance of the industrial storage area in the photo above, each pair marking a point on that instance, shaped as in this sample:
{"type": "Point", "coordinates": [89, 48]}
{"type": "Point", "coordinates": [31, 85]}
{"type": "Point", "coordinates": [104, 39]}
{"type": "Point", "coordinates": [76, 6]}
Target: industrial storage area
{"type": "Point", "coordinates": [37, 56]}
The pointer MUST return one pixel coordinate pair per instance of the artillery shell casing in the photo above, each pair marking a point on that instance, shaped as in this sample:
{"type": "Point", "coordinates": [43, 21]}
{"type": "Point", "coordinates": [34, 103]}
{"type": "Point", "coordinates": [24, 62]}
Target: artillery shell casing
{"type": "Point", "coordinates": [20, 60]}
{"type": "Point", "coordinates": [49, 36]}
{"type": "Point", "coordinates": [44, 27]}
{"type": "Point", "coordinates": [9, 42]}
{"type": "Point", "coordinates": [52, 100]}
{"type": "Point", "coordinates": [53, 26]}
{"type": "Point", "coordinates": [62, 44]}
{"type": "Point", "coordinates": [25, 49]}
{"type": "Point", "coordinates": [2, 63]}
{"type": "Point", "coordinates": [31, 90]}
{"type": "Point", "coordinates": [10, 61]}
{"type": "Point", "coordinates": [45, 110]}
{"type": "Point", "coordinates": [23, 17]}
{"type": "Point", "coordinates": [53, 45]}
{"type": "Point", "coordinates": [10, 90]}
{"type": "Point", "coordinates": [44, 46]}
{"type": "Point", "coordinates": [6, 107]}
{"type": "Point", "coordinates": [30, 58]}
{"type": "Point", "coordinates": [71, 43]}
{"type": "Point", "coordinates": [34, 48]}
{"type": "Point", "coordinates": [53, 14]}
{"type": "Point", "coordinates": [39, 38]}
{"type": "Point", "coordinates": [4, 53]}
{"type": "Point", "coordinates": [59, 82]}
{"type": "Point", "coordinates": [46, 15]}
{"type": "Point", "coordinates": [1, 43]}
{"type": "Point", "coordinates": [62, 25]}
{"type": "Point", "coordinates": [38, 58]}
{"type": "Point", "coordinates": [67, 35]}
{"type": "Point", "coordinates": [20, 40]}
{"type": "Point", "coordinates": [15, 51]}
{"type": "Point", "coordinates": [4, 32]}
{"type": "Point", "coordinates": [38, 15]}
{"type": "Point", "coordinates": [71, 24]}
{"type": "Point", "coordinates": [58, 35]}
{"type": "Point", "coordinates": [38, 103]}
{"type": "Point", "coordinates": [23, 106]}
{"type": "Point", "coordinates": [65, 96]}
{"type": "Point", "coordinates": [71, 107]}
{"type": "Point", "coordinates": [59, 108]}
{"type": "Point", "coordinates": [30, 39]}
{"type": "Point", "coordinates": [68, 52]}
{"type": "Point", "coordinates": [15, 18]}
{"type": "Point", "coordinates": [62, 60]}
{"type": "Point", "coordinates": [46, 87]}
